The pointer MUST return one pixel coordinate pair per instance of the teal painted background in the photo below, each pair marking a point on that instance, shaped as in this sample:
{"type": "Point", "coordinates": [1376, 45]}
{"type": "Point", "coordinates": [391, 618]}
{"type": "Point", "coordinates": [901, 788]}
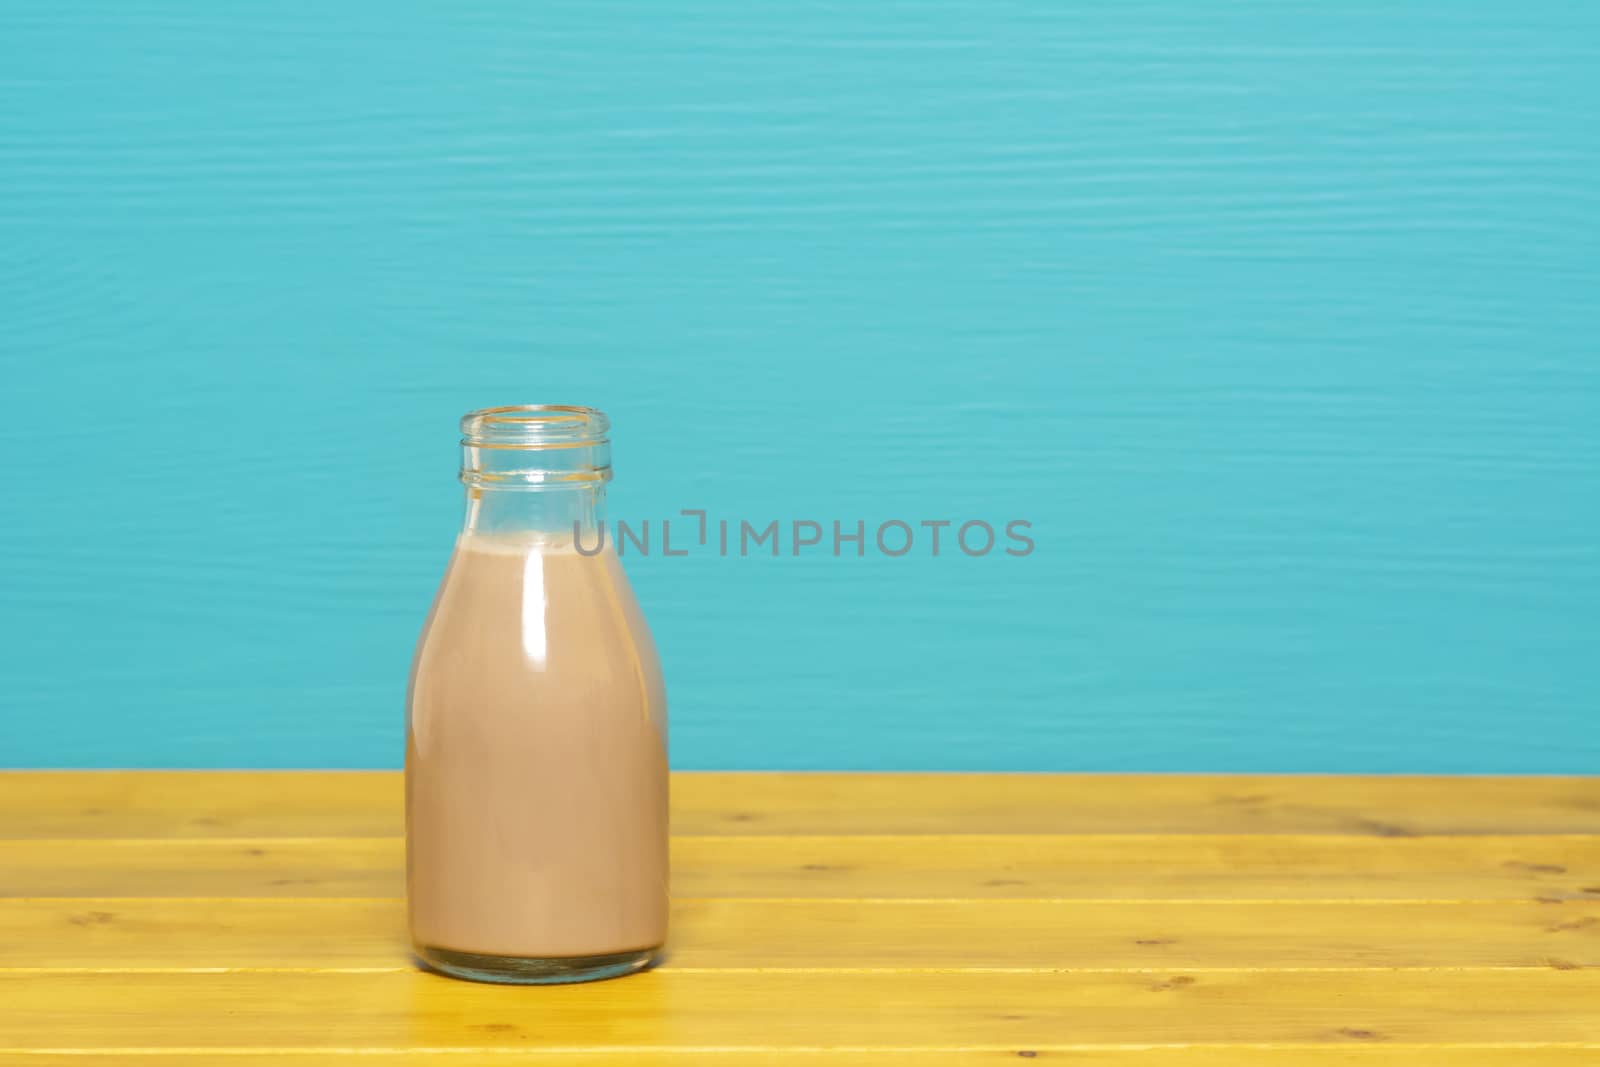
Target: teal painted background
{"type": "Point", "coordinates": [1278, 321]}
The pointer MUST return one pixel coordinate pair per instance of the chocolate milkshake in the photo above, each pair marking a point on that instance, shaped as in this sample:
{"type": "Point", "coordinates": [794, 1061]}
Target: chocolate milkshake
{"type": "Point", "coordinates": [536, 764]}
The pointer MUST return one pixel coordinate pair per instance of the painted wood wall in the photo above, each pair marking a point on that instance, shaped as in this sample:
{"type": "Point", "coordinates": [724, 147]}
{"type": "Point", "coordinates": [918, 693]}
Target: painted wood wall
{"type": "Point", "coordinates": [1278, 321]}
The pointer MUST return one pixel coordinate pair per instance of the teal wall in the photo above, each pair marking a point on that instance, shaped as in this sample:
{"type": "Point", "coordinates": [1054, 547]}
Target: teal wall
{"type": "Point", "coordinates": [1278, 321]}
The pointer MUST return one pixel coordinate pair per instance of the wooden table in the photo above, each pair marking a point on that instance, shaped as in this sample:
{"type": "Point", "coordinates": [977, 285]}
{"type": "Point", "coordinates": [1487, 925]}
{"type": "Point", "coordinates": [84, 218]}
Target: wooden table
{"type": "Point", "coordinates": [821, 919]}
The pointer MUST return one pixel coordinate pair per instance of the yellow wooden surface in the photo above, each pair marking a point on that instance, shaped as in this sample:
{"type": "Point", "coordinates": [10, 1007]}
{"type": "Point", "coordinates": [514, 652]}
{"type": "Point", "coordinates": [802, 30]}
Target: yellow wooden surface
{"type": "Point", "coordinates": [133, 933]}
{"type": "Point", "coordinates": [189, 804]}
{"type": "Point", "coordinates": [1369, 1054]}
{"type": "Point", "coordinates": [968, 866]}
{"type": "Point", "coordinates": [885, 919]}
{"type": "Point", "coordinates": [805, 1010]}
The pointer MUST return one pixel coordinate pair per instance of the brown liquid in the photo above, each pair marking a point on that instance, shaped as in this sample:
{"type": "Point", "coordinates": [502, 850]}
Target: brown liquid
{"type": "Point", "coordinates": [536, 765]}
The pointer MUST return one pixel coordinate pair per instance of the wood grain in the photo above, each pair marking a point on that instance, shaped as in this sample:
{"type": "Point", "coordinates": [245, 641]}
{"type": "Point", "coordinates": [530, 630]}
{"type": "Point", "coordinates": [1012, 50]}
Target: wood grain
{"type": "Point", "coordinates": [311, 934]}
{"type": "Point", "coordinates": [1138, 867]}
{"type": "Point", "coordinates": [668, 1009]}
{"type": "Point", "coordinates": [198, 804]}
{"type": "Point", "coordinates": [1205, 922]}
{"type": "Point", "coordinates": [1505, 1054]}
{"type": "Point", "coordinates": [1375, 1054]}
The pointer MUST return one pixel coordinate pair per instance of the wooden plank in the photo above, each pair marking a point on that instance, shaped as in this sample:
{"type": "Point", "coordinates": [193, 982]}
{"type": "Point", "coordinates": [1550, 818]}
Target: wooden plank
{"type": "Point", "coordinates": [52, 804]}
{"type": "Point", "coordinates": [817, 1010]}
{"type": "Point", "coordinates": [1133, 804]}
{"type": "Point", "coordinates": [1136, 867]}
{"type": "Point", "coordinates": [312, 934]}
{"type": "Point", "coordinates": [1369, 1055]}
{"type": "Point", "coordinates": [1377, 1055]}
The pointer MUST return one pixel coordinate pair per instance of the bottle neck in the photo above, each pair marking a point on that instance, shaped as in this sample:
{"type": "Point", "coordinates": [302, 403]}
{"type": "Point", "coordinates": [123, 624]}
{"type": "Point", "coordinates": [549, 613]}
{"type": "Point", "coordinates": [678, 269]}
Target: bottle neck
{"type": "Point", "coordinates": [554, 514]}
{"type": "Point", "coordinates": [535, 472]}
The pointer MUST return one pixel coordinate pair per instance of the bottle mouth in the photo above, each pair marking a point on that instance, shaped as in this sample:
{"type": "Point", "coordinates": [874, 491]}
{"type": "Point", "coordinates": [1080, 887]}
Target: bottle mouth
{"type": "Point", "coordinates": [534, 426]}
{"type": "Point", "coordinates": [534, 445]}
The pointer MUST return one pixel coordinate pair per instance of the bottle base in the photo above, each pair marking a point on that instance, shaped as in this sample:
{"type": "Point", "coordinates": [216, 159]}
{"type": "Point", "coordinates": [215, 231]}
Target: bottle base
{"type": "Point", "coordinates": [524, 970]}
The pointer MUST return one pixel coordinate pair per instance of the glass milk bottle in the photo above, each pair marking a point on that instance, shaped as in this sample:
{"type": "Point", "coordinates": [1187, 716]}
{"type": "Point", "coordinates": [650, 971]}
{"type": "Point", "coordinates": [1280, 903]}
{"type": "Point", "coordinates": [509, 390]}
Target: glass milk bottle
{"type": "Point", "coordinates": [536, 755]}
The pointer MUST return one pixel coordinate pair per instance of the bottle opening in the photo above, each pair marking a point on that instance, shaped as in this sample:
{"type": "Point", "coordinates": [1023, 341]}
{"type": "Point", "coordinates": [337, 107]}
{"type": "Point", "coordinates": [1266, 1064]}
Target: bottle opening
{"type": "Point", "coordinates": [534, 426]}
{"type": "Point", "coordinates": [534, 446]}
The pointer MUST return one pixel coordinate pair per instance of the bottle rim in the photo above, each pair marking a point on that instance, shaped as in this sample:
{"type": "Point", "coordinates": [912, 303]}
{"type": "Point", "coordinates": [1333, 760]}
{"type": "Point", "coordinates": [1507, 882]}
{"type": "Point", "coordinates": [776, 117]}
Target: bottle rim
{"type": "Point", "coordinates": [534, 426]}
{"type": "Point", "coordinates": [534, 445]}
